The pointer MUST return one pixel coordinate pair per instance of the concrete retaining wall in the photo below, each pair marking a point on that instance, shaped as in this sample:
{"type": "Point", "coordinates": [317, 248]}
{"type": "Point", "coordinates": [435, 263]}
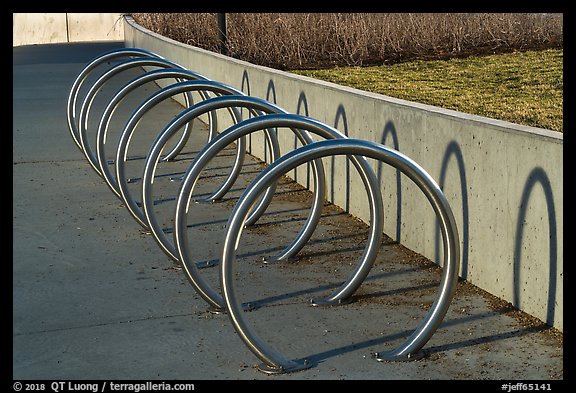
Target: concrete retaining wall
{"type": "Point", "coordinates": [48, 28]}
{"type": "Point", "coordinates": [504, 181]}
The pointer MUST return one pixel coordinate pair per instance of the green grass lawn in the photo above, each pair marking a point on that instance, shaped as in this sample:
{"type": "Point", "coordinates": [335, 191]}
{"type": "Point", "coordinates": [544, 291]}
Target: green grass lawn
{"type": "Point", "coordinates": [521, 87]}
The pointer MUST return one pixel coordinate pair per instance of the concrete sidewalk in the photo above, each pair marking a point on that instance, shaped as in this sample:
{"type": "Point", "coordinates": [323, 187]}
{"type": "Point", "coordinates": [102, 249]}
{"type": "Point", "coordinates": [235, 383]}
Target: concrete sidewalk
{"type": "Point", "coordinates": [94, 297]}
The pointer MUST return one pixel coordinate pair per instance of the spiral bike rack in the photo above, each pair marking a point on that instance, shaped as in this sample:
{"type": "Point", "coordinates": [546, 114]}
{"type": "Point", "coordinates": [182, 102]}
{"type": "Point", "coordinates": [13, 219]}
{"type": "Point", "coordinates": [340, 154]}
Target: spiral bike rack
{"type": "Point", "coordinates": [256, 198]}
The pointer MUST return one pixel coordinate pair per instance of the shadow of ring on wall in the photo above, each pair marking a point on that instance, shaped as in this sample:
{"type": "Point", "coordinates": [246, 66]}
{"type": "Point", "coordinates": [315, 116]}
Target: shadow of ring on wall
{"type": "Point", "coordinates": [270, 97]}
{"type": "Point", "coordinates": [246, 84]}
{"type": "Point", "coordinates": [341, 114]}
{"type": "Point", "coordinates": [390, 129]}
{"type": "Point", "coordinates": [301, 105]}
{"type": "Point", "coordinates": [453, 149]}
{"type": "Point", "coordinates": [538, 175]}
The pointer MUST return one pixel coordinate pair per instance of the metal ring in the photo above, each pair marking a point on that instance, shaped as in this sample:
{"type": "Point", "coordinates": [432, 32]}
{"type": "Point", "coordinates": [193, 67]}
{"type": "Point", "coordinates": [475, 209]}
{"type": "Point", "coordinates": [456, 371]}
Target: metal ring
{"type": "Point", "coordinates": [74, 91]}
{"type": "Point", "coordinates": [273, 361]}
{"type": "Point", "coordinates": [293, 122]}
{"type": "Point", "coordinates": [79, 80]}
{"type": "Point", "coordinates": [156, 150]}
{"type": "Point", "coordinates": [88, 100]}
{"type": "Point", "coordinates": [101, 135]}
{"type": "Point", "coordinates": [127, 133]}
{"type": "Point", "coordinates": [191, 176]}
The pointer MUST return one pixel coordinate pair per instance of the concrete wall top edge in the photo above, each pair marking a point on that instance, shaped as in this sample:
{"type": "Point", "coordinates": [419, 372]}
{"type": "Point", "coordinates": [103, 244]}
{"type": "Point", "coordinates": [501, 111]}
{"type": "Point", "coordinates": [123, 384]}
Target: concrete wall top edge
{"type": "Point", "coordinates": [500, 125]}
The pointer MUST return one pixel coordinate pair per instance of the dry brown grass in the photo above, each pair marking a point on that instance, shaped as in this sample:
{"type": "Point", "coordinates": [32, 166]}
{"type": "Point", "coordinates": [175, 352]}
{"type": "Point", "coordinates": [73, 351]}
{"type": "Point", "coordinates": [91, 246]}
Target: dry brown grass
{"type": "Point", "coordinates": [321, 40]}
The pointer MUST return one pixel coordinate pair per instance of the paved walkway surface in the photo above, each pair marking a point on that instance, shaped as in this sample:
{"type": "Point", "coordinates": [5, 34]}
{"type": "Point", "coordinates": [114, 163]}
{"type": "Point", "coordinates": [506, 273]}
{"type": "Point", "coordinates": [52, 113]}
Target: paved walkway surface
{"type": "Point", "coordinates": [94, 297]}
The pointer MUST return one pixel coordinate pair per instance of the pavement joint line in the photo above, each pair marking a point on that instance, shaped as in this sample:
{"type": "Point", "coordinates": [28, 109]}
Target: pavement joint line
{"type": "Point", "coordinates": [151, 318]}
{"type": "Point", "coordinates": [47, 161]}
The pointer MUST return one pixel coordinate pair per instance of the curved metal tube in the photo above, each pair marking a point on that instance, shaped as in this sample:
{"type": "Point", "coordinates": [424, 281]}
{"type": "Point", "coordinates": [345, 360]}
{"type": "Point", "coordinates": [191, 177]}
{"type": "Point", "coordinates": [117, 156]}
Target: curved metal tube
{"type": "Point", "coordinates": [275, 362]}
{"type": "Point", "coordinates": [77, 84]}
{"type": "Point", "coordinates": [259, 107]}
{"type": "Point", "coordinates": [156, 150]}
{"type": "Point", "coordinates": [127, 133]}
{"type": "Point", "coordinates": [123, 52]}
{"type": "Point", "coordinates": [293, 122]}
{"type": "Point", "coordinates": [191, 176]}
{"type": "Point", "coordinates": [179, 74]}
{"type": "Point", "coordinates": [88, 100]}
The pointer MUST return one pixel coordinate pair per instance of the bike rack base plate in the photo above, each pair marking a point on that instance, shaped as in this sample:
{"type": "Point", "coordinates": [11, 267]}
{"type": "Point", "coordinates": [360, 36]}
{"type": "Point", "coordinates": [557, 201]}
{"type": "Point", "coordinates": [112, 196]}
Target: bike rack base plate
{"type": "Point", "coordinates": [331, 303]}
{"type": "Point", "coordinates": [216, 310]}
{"type": "Point", "coordinates": [390, 357]}
{"type": "Point", "coordinates": [298, 366]}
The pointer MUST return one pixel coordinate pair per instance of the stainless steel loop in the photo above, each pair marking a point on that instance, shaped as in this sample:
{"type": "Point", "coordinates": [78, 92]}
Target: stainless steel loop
{"type": "Point", "coordinates": [147, 105]}
{"type": "Point", "coordinates": [101, 135]}
{"type": "Point", "coordinates": [71, 107]}
{"type": "Point", "coordinates": [295, 123]}
{"type": "Point", "coordinates": [73, 95]}
{"type": "Point", "coordinates": [274, 361]}
{"type": "Point", "coordinates": [153, 156]}
{"type": "Point", "coordinates": [95, 88]}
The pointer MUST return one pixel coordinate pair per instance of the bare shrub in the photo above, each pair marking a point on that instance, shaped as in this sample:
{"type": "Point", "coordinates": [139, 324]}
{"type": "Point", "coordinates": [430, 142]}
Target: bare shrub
{"type": "Point", "coordinates": [319, 40]}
